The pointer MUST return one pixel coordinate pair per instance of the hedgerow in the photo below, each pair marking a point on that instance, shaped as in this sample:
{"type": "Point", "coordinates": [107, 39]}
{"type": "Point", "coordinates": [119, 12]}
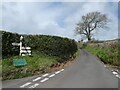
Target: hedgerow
{"type": "Point", "coordinates": [8, 49]}
{"type": "Point", "coordinates": [63, 48]}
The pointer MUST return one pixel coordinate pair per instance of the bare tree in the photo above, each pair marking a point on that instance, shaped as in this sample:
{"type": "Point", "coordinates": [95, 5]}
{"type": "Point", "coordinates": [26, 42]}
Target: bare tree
{"type": "Point", "coordinates": [91, 22]}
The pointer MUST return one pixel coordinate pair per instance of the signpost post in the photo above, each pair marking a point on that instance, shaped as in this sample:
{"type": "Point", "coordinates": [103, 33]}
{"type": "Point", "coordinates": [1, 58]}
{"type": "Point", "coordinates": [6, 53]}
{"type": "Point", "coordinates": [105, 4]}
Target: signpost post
{"type": "Point", "coordinates": [21, 38]}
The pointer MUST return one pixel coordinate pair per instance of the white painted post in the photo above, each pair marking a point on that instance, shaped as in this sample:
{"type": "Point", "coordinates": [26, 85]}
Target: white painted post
{"type": "Point", "coordinates": [21, 44]}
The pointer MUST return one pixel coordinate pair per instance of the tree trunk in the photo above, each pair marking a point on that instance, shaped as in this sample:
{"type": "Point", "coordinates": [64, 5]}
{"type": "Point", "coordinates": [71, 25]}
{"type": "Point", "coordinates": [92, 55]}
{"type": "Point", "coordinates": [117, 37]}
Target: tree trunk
{"type": "Point", "coordinates": [89, 38]}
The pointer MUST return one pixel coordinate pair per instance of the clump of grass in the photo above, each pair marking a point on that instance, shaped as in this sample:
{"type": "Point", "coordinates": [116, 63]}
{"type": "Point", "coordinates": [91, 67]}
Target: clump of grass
{"type": "Point", "coordinates": [77, 54]}
{"type": "Point", "coordinates": [37, 64]}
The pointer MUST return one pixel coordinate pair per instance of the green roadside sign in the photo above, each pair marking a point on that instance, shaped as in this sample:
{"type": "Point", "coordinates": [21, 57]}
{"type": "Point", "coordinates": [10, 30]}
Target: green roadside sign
{"type": "Point", "coordinates": [19, 62]}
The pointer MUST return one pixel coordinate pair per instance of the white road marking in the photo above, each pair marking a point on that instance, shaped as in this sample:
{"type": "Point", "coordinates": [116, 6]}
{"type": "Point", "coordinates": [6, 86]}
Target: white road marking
{"type": "Point", "coordinates": [117, 70]}
{"type": "Point", "coordinates": [26, 84]}
{"type": "Point", "coordinates": [105, 66]}
{"type": "Point", "coordinates": [57, 72]}
{"type": "Point", "coordinates": [112, 70]}
{"type": "Point", "coordinates": [35, 85]}
{"type": "Point", "coordinates": [115, 73]}
{"type": "Point", "coordinates": [62, 70]}
{"type": "Point", "coordinates": [45, 75]}
{"type": "Point", "coordinates": [44, 80]}
{"type": "Point", "coordinates": [52, 75]}
{"type": "Point", "coordinates": [118, 76]}
{"type": "Point", "coordinates": [37, 79]}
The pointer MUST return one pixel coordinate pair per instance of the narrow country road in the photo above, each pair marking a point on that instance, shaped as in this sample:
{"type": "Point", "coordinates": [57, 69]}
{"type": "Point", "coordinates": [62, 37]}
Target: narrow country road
{"type": "Point", "coordinates": [85, 72]}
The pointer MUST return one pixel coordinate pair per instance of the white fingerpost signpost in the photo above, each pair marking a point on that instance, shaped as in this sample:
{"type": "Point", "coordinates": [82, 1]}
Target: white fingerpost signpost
{"type": "Point", "coordinates": [21, 38]}
{"type": "Point", "coordinates": [24, 51]}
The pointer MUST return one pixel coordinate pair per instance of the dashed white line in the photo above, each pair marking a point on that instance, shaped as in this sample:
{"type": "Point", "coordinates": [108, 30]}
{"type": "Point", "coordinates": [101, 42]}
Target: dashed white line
{"type": "Point", "coordinates": [62, 70]}
{"type": "Point", "coordinates": [45, 75]}
{"type": "Point", "coordinates": [26, 84]}
{"type": "Point", "coordinates": [105, 66]}
{"type": "Point", "coordinates": [52, 75]}
{"type": "Point", "coordinates": [57, 72]}
{"type": "Point", "coordinates": [118, 76]}
{"type": "Point", "coordinates": [115, 73]}
{"type": "Point", "coordinates": [44, 80]}
{"type": "Point", "coordinates": [117, 70]}
{"type": "Point", "coordinates": [35, 85]}
{"type": "Point", "coordinates": [37, 79]}
{"type": "Point", "coordinates": [112, 70]}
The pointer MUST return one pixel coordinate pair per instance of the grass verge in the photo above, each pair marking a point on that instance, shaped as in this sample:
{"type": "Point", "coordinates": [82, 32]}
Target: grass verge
{"type": "Point", "coordinates": [78, 53]}
{"type": "Point", "coordinates": [37, 64]}
{"type": "Point", "coordinates": [107, 55]}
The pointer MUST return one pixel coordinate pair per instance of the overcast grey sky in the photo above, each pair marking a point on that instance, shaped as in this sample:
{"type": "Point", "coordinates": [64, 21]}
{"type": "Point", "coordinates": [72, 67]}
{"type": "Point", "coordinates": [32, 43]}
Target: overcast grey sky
{"type": "Point", "coordinates": [56, 18]}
